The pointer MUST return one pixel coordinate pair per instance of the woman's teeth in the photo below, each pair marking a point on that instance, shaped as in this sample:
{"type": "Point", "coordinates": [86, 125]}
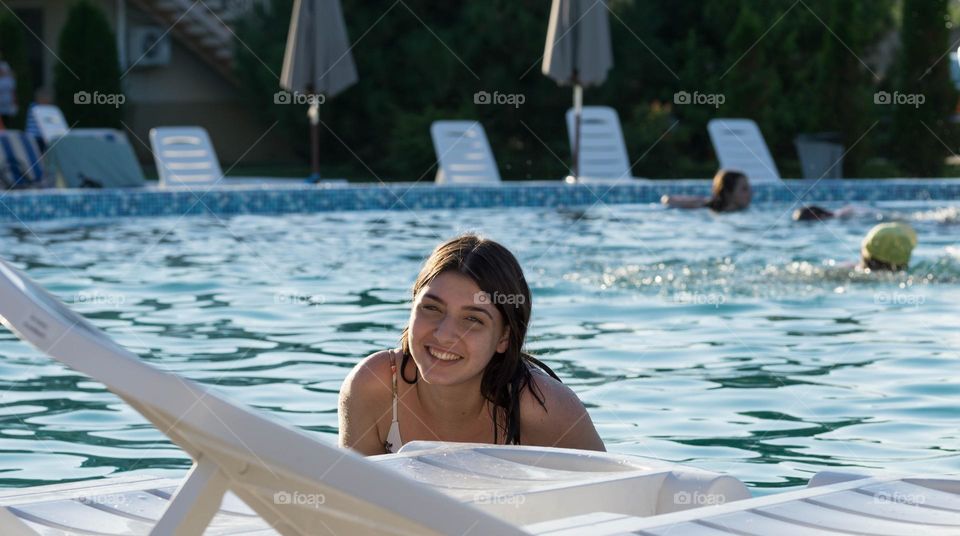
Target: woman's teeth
{"type": "Point", "coordinates": [443, 356]}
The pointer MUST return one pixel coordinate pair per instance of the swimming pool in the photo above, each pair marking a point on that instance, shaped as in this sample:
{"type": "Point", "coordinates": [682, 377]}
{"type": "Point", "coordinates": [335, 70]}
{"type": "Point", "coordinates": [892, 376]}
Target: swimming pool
{"type": "Point", "coordinates": [736, 343]}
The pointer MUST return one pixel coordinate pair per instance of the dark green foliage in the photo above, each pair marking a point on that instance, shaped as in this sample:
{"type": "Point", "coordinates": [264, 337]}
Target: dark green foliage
{"type": "Point", "coordinates": [925, 137]}
{"type": "Point", "coordinates": [793, 67]}
{"type": "Point", "coordinates": [88, 67]}
{"type": "Point", "coordinates": [14, 51]}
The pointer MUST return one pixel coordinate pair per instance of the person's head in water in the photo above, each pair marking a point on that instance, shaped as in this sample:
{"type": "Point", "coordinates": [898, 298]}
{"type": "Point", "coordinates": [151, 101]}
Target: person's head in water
{"type": "Point", "coordinates": [888, 247]}
{"type": "Point", "coordinates": [471, 304]}
{"type": "Point", "coordinates": [812, 213]}
{"type": "Point", "coordinates": [731, 192]}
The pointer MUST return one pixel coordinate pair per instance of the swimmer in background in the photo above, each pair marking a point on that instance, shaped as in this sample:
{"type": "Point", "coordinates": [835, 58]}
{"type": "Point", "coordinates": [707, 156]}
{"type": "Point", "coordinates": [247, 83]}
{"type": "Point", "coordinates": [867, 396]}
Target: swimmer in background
{"type": "Point", "coordinates": [731, 193]}
{"type": "Point", "coordinates": [887, 247]}
{"type": "Point", "coordinates": [815, 213]}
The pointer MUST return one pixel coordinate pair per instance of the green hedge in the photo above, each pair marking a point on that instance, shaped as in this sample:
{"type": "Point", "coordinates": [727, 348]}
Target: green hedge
{"type": "Point", "coordinates": [793, 67]}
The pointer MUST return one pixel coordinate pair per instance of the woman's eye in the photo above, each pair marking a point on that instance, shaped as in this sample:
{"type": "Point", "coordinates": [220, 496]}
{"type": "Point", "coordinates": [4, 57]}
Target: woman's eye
{"type": "Point", "coordinates": [475, 320]}
{"type": "Point", "coordinates": [430, 307]}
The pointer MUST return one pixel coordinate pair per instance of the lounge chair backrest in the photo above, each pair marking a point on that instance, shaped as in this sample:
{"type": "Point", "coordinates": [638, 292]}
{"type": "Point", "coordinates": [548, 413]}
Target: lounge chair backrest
{"type": "Point", "coordinates": [603, 151]}
{"type": "Point", "coordinates": [298, 484]}
{"type": "Point", "coordinates": [51, 122]}
{"type": "Point", "coordinates": [184, 156]}
{"type": "Point", "coordinates": [463, 153]}
{"type": "Point", "coordinates": [20, 162]}
{"type": "Point", "coordinates": [740, 146]}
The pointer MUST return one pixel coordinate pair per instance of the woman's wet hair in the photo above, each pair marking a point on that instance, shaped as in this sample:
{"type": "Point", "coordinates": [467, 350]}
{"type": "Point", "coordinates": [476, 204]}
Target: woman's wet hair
{"type": "Point", "coordinates": [497, 273]}
{"type": "Point", "coordinates": [724, 184]}
{"type": "Point", "coordinates": [811, 213]}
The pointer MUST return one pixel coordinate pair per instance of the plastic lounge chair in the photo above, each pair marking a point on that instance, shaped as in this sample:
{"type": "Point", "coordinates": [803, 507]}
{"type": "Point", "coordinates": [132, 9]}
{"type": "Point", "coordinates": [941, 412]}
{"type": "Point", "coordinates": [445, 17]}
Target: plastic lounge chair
{"type": "Point", "coordinates": [876, 505]}
{"type": "Point", "coordinates": [740, 146]}
{"type": "Point", "coordinates": [50, 121]}
{"type": "Point", "coordinates": [184, 156]}
{"type": "Point", "coordinates": [603, 151]}
{"type": "Point", "coordinates": [21, 165]}
{"type": "Point", "coordinates": [296, 484]}
{"type": "Point", "coordinates": [463, 153]}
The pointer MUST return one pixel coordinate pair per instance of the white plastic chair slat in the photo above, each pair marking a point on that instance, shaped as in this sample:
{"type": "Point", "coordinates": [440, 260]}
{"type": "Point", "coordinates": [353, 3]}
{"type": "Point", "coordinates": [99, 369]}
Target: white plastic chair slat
{"type": "Point", "coordinates": [740, 146]}
{"type": "Point", "coordinates": [462, 146]}
{"type": "Point", "coordinates": [178, 150]}
{"type": "Point", "coordinates": [600, 133]}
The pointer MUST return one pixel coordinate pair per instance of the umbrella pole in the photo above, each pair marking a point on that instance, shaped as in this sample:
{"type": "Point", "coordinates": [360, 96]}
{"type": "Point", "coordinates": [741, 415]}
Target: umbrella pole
{"type": "Point", "coordinates": [314, 115]}
{"type": "Point", "coordinates": [577, 113]}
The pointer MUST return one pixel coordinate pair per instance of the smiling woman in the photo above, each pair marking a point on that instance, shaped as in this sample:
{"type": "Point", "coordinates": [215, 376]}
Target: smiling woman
{"type": "Point", "coordinates": [465, 376]}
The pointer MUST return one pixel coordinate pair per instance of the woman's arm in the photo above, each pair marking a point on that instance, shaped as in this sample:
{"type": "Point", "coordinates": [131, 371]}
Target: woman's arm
{"type": "Point", "coordinates": [564, 423]}
{"type": "Point", "coordinates": [684, 201]}
{"type": "Point", "coordinates": [364, 396]}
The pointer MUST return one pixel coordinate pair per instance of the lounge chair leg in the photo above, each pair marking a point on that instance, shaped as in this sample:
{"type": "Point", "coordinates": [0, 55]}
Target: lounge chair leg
{"type": "Point", "coordinates": [195, 503]}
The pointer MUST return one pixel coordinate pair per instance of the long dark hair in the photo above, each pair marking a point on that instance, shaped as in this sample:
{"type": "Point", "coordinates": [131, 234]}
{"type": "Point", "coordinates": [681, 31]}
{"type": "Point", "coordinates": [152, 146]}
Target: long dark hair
{"type": "Point", "coordinates": [496, 271]}
{"type": "Point", "coordinates": [724, 183]}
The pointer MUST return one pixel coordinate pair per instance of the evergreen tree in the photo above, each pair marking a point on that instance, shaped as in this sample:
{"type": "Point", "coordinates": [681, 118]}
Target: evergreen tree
{"type": "Point", "coordinates": [87, 77]}
{"type": "Point", "coordinates": [924, 133]}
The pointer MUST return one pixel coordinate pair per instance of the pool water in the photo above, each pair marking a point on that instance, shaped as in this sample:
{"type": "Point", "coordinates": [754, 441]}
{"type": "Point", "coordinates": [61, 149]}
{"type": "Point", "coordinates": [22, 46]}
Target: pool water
{"type": "Point", "coordinates": [742, 343]}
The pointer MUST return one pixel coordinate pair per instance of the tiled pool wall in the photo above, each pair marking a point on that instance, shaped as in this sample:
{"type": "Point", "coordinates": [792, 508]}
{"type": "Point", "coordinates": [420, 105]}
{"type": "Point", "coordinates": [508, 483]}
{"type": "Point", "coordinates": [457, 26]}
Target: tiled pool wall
{"type": "Point", "coordinates": [40, 205]}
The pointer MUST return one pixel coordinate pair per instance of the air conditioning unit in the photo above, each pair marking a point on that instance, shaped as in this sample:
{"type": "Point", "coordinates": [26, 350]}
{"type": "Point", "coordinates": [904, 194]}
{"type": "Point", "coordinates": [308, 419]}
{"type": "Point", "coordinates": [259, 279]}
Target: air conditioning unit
{"type": "Point", "coordinates": [149, 46]}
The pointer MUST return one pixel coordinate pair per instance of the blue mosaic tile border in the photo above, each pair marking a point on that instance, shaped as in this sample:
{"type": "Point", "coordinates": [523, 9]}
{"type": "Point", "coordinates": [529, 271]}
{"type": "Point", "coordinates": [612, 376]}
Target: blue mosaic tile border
{"type": "Point", "coordinates": [41, 205]}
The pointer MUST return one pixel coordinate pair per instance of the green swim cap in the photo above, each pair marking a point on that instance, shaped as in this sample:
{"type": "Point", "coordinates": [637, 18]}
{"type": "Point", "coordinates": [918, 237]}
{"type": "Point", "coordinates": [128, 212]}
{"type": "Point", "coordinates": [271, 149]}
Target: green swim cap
{"type": "Point", "coordinates": [891, 243]}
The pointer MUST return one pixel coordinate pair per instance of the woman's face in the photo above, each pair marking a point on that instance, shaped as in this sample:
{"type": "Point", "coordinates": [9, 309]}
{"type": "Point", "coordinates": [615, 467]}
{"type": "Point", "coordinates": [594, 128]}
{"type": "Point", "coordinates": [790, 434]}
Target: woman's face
{"type": "Point", "coordinates": [741, 195]}
{"type": "Point", "coordinates": [454, 330]}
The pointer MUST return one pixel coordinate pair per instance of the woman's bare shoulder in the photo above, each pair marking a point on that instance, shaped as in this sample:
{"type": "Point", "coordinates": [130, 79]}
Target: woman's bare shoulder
{"type": "Point", "coordinates": [560, 421]}
{"type": "Point", "coordinates": [371, 376]}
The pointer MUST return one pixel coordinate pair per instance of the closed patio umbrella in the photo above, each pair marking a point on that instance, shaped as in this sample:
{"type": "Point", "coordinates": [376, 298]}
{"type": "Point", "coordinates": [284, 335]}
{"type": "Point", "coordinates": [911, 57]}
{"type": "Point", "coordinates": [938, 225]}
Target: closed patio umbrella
{"type": "Point", "coordinates": [317, 60]}
{"type": "Point", "coordinates": [578, 53]}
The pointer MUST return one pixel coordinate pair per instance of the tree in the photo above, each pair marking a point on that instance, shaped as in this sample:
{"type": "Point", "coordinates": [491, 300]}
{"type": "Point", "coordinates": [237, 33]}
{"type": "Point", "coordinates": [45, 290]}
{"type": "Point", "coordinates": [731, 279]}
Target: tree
{"type": "Point", "coordinates": [87, 77]}
{"type": "Point", "coordinates": [14, 51]}
{"type": "Point", "coordinates": [924, 97]}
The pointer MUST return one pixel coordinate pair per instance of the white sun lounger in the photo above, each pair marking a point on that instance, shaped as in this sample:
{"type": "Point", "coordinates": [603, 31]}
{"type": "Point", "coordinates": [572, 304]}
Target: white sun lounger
{"type": "Point", "coordinates": [53, 125]}
{"type": "Point", "coordinates": [603, 151]}
{"type": "Point", "coordinates": [740, 146]}
{"type": "Point", "coordinates": [184, 156]}
{"type": "Point", "coordinates": [463, 153]}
